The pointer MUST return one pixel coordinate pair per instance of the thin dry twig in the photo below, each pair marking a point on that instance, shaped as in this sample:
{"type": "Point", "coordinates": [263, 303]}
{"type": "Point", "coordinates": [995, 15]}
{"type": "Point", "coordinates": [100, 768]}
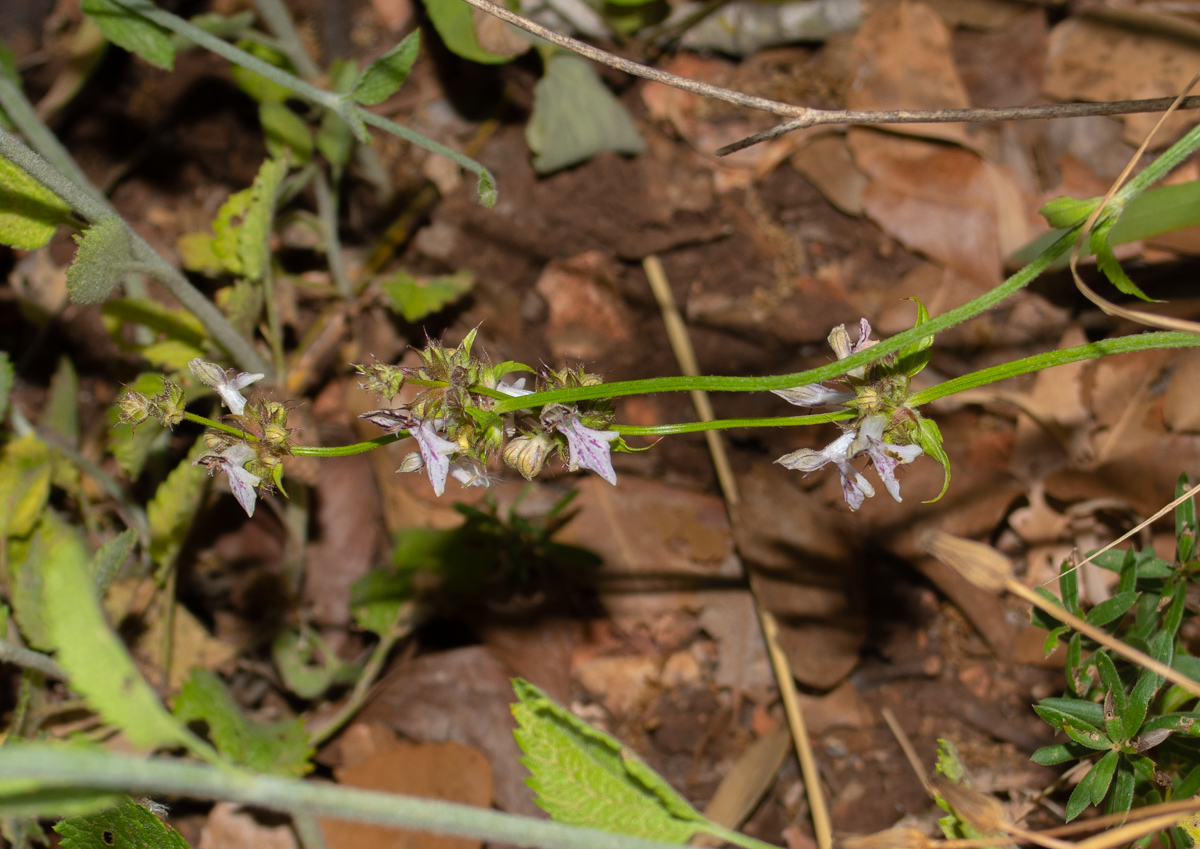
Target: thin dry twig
{"type": "Point", "coordinates": [804, 116]}
{"type": "Point", "coordinates": [906, 746]}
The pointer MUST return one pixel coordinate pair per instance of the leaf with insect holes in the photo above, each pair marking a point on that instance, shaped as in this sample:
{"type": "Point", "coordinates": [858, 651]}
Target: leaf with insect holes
{"type": "Point", "coordinates": [29, 212]}
{"type": "Point", "coordinates": [127, 826]}
{"type": "Point", "coordinates": [130, 31]}
{"type": "Point", "coordinates": [243, 223]}
{"type": "Point", "coordinates": [96, 661]}
{"type": "Point", "coordinates": [414, 299]}
{"type": "Point", "coordinates": [105, 252]}
{"type": "Point", "coordinates": [383, 77]}
{"type": "Point", "coordinates": [585, 777]}
{"type": "Point", "coordinates": [279, 748]}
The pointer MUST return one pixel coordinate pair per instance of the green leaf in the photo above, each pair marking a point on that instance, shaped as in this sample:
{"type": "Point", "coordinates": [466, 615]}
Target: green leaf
{"type": "Point", "coordinates": [1127, 582]}
{"type": "Point", "coordinates": [1068, 586]}
{"type": "Point", "coordinates": [376, 598]}
{"type": "Point", "coordinates": [575, 116]}
{"type": "Point", "coordinates": [334, 140]}
{"type": "Point", "coordinates": [486, 189]}
{"type": "Point", "coordinates": [255, 84]}
{"type": "Point", "coordinates": [130, 447]}
{"type": "Point", "coordinates": [99, 667]}
{"type": "Point", "coordinates": [1055, 710]}
{"type": "Point", "coordinates": [1059, 753]}
{"type": "Point", "coordinates": [286, 133]}
{"type": "Point", "coordinates": [414, 299]}
{"type": "Point", "coordinates": [243, 223]}
{"type": "Point", "coordinates": [1081, 796]}
{"type": "Point", "coordinates": [1086, 735]}
{"type": "Point", "coordinates": [1068, 212]}
{"type": "Point", "coordinates": [27, 577]}
{"type": "Point", "coordinates": [7, 375]}
{"type": "Point", "coordinates": [1186, 526]}
{"type": "Point", "coordinates": [29, 212]}
{"type": "Point", "coordinates": [1107, 262]}
{"type": "Point", "coordinates": [1103, 773]}
{"type": "Point", "coordinates": [279, 748]}
{"type": "Point", "coordinates": [61, 413]}
{"type": "Point", "coordinates": [175, 502]}
{"type": "Point", "coordinates": [242, 303]}
{"type": "Point", "coordinates": [1111, 608]}
{"type": "Point", "coordinates": [107, 562]}
{"type": "Point", "coordinates": [583, 776]}
{"type": "Point", "coordinates": [912, 359]}
{"type": "Point", "coordinates": [127, 826]}
{"type": "Point", "coordinates": [1111, 682]}
{"type": "Point", "coordinates": [171, 355]}
{"type": "Point", "coordinates": [102, 260]}
{"type": "Point", "coordinates": [1052, 638]}
{"type": "Point", "coordinates": [1139, 702]}
{"type": "Point", "coordinates": [308, 666]}
{"type": "Point", "coordinates": [454, 21]}
{"type": "Point", "coordinates": [25, 798]}
{"type": "Point", "coordinates": [1120, 799]}
{"type": "Point", "coordinates": [129, 30]}
{"type": "Point", "coordinates": [383, 77]}
{"type": "Point", "coordinates": [929, 437]}
{"type": "Point", "coordinates": [25, 470]}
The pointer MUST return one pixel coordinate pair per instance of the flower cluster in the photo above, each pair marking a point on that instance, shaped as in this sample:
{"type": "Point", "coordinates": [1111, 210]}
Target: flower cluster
{"type": "Point", "coordinates": [458, 431]}
{"type": "Point", "coordinates": [884, 430]}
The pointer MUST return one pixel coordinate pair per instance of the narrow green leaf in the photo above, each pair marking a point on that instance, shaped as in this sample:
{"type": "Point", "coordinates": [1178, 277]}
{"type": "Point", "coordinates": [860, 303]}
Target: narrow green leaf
{"type": "Point", "coordinates": [383, 77]}
{"type": "Point", "coordinates": [7, 376]}
{"type": "Point", "coordinates": [1139, 702]}
{"type": "Point", "coordinates": [286, 133]}
{"type": "Point", "coordinates": [1186, 526]}
{"type": "Point", "coordinates": [130, 31]}
{"type": "Point", "coordinates": [1081, 796]}
{"type": "Point", "coordinates": [575, 116]}
{"type": "Point", "coordinates": [99, 667]}
{"type": "Point", "coordinates": [1189, 786]}
{"type": "Point", "coordinates": [308, 666]}
{"type": "Point", "coordinates": [1073, 663]}
{"type": "Point", "coordinates": [415, 299]}
{"type": "Point", "coordinates": [1120, 799]}
{"type": "Point", "coordinates": [1053, 710]}
{"type": "Point", "coordinates": [127, 826]}
{"type": "Point", "coordinates": [1107, 262]}
{"type": "Point", "coordinates": [175, 502]}
{"type": "Point", "coordinates": [583, 776]}
{"type": "Point", "coordinates": [1059, 753]}
{"type": "Point", "coordinates": [1086, 735]}
{"type": "Point", "coordinates": [1111, 609]}
{"type": "Point", "coordinates": [107, 562]}
{"type": "Point", "coordinates": [61, 413]}
{"type": "Point", "coordinates": [1127, 582]}
{"type": "Point", "coordinates": [929, 437]}
{"type": "Point", "coordinates": [1068, 586]}
{"type": "Point", "coordinates": [29, 212]}
{"type": "Point", "coordinates": [1052, 638]}
{"type": "Point", "coordinates": [454, 21]}
{"type": "Point", "coordinates": [279, 748]}
{"type": "Point", "coordinates": [100, 263]}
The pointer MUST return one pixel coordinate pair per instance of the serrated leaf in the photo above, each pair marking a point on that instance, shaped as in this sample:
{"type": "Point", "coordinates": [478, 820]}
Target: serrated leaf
{"type": "Point", "coordinates": [61, 413]}
{"type": "Point", "coordinates": [169, 513]}
{"type": "Point", "coordinates": [279, 748]}
{"type": "Point", "coordinates": [7, 375]}
{"type": "Point", "coordinates": [255, 84]}
{"type": "Point", "coordinates": [929, 437]}
{"type": "Point", "coordinates": [485, 188]}
{"type": "Point", "coordinates": [130, 31]}
{"type": "Point", "coordinates": [104, 255]}
{"type": "Point", "coordinates": [454, 21]}
{"type": "Point", "coordinates": [383, 77]}
{"type": "Point", "coordinates": [127, 826]}
{"type": "Point", "coordinates": [95, 659]}
{"type": "Point", "coordinates": [285, 132]}
{"type": "Point", "coordinates": [25, 470]}
{"type": "Point", "coordinates": [27, 577]}
{"type": "Point", "coordinates": [1107, 262]}
{"type": "Point", "coordinates": [29, 212]}
{"type": "Point", "coordinates": [414, 299]}
{"type": "Point", "coordinates": [107, 562]}
{"type": "Point", "coordinates": [583, 776]}
{"type": "Point", "coordinates": [196, 254]}
{"type": "Point", "coordinates": [575, 116]}
{"type": "Point", "coordinates": [244, 222]}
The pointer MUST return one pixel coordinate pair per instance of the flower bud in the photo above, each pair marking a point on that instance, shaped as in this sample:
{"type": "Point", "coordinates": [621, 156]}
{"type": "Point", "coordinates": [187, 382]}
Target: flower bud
{"type": "Point", "coordinates": [275, 434]}
{"type": "Point", "coordinates": [133, 408]}
{"type": "Point", "coordinates": [384, 379]}
{"type": "Point", "coordinates": [411, 462]}
{"type": "Point", "coordinates": [210, 374]}
{"type": "Point", "coordinates": [528, 454]}
{"type": "Point", "coordinates": [167, 406]}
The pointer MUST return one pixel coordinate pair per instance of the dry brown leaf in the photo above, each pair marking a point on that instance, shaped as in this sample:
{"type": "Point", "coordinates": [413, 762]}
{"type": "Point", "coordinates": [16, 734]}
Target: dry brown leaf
{"type": "Point", "coordinates": [935, 199]}
{"type": "Point", "coordinates": [230, 826]}
{"type": "Point", "coordinates": [828, 165]}
{"type": "Point", "coordinates": [447, 771]}
{"type": "Point", "coordinates": [1181, 403]}
{"type": "Point", "coordinates": [1004, 67]}
{"type": "Point", "coordinates": [538, 651]}
{"type": "Point", "coordinates": [901, 58]}
{"type": "Point", "coordinates": [744, 785]}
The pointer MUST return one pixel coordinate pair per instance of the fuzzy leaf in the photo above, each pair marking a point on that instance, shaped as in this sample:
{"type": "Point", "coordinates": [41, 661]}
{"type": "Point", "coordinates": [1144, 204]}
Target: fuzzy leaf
{"type": "Point", "coordinates": [286, 133]}
{"type": "Point", "coordinates": [100, 263]}
{"type": "Point", "coordinates": [127, 826]}
{"type": "Point", "coordinates": [454, 21]}
{"type": "Point", "coordinates": [244, 223]}
{"type": "Point", "coordinates": [1111, 608]}
{"type": "Point", "coordinates": [27, 577]}
{"type": "Point", "coordinates": [176, 500]}
{"type": "Point", "coordinates": [1104, 769]}
{"type": "Point", "coordinates": [29, 212]}
{"type": "Point", "coordinates": [1081, 796]}
{"type": "Point", "coordinates": [575, 116]}
{"type": "Point", "coordinates": [129, 30]}
{"type": "Point", "coordinates": [383, 77]}
{"type": "Point", "coordinates": [414, 299]}
{"type": "Point", "coordinates": [586, 777]}
{"type": "Point", "coordinates": [929, 437]}
{"type": "Point", "coordinates": [107, 562]}
{"type": "Point", "coordinates": [280, 748]}
{"type": "Point", "coordinates": [131, 447]}
{"type": "Point", "coordinates": [96, 660]}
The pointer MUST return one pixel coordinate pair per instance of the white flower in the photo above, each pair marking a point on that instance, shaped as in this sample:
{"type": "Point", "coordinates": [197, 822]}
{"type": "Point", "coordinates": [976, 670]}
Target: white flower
{"type": "Point", "coordinates": [435, 452]}
{"type": "Point", "coordinates": [813, 395]}
{"type": "Point", "coordinates": [513, 390]}
{"type": "Point", "coordinates": [855, 488]}
{"type": "Point", "coordinates": [588, 448]}
{"type": "Point", "coordinates": [469, 473]}
{"type": "Point", "coordinates": [884, 455]}
{"type": "Point", "coordinates": [229, 388]}
{"type": "Point", "coordinates": [232, 461]}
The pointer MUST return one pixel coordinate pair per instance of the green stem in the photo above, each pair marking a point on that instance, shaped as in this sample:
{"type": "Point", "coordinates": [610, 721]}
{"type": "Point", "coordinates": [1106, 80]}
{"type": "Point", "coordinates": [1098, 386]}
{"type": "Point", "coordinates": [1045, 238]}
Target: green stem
{"type": "Point", "coordinates": [95, 210]}
{"type": "Point", "coordinates": [215, 425]}
{"type": "Point", "coordinates": [1160, 167]}
{"type": "Point", "coordinates": [763, 384]}
{"type": "Point", "coordinates": [727, 424]}
{"type": "Point", "coordinates": [31, 767]}
{"type": "Point", "coordinates": [279, 22]}
{"type": "Point", "coordinates": [347, 450]}
{"type": "Point", "coordinates": [734, 837]}
{"type": "Point", "coordinates": [29, 659]}
{"type": "Point", "coordinates": [1091, 351]}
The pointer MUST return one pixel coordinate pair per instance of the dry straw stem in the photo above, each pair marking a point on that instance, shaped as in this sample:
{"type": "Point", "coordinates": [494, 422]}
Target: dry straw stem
{"type": "Point", "coordinates": [804, 116]}
{"type": "Point", "coordinates": [990, 570]}
{"type": "Point", "coordinates": [1139, 316]}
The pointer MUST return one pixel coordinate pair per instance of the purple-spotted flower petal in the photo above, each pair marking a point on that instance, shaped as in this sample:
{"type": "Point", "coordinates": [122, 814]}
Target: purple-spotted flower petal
{"type": "Point", "coordinates": [588, 448]}
{"type": "Point", "coordinates": [884, 455]}
{"type": "Point", "coordinates": [855, 488]}
{"type": "Point", "coordinates": [436, 453]}
{"type": "Point", "coordinates": [232, 461]}
{"type": "Point", "coordinates": [813, 395]}
{"type": "Point", "coordinates": [229, 388]}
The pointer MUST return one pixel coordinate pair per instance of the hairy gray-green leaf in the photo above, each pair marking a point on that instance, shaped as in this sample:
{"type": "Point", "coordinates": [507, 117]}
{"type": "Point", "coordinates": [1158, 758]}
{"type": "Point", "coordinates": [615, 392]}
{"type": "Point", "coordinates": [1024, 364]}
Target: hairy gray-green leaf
{"type": "Point", "coordinates": [107, 562]}
{"type": "Point", "coordinates": [129, 30]}
{"type": "Point", "coordinates": [101, 262]}
{"type": "Point", "coordinates": [383, 77]}
{"type": "Point", "coordinates": [584, 776]}
{"type": "Point", "coordinates": [29, 212]}
{"type": "Point", "coordinates": [575, 116]}
{"type": "Point", "coordinates": [126, 826]}
{"type": "Point", "coordinates": [279, 747]}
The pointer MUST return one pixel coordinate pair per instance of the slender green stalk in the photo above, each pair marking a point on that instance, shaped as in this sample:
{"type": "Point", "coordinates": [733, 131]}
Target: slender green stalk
{"type": "Point", "coordinates": [30, 768]}
{"type": "Point", "coordinates": [734, 837]}
{"type": "Point", "coordinates": [348, 450]}
{"type": "Point", "coordinates": [1160, 167]}
{"type": "Point", "coordinates": [29, 659]}
{"type": "Point", "coordinates": [728, 424]}
{"type": "Point", "coordinates": [279, 22]}
{"type": "Point", "coordinates": [94, 210]}
{"type": "Point", "coordinates": [1091, 351]}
